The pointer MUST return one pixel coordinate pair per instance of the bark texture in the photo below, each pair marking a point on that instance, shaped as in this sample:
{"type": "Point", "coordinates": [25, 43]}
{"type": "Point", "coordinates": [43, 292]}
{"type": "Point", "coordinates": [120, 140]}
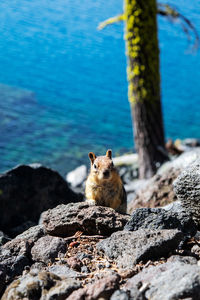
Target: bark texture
{"type": "Point", "coordinates": [144, 83]}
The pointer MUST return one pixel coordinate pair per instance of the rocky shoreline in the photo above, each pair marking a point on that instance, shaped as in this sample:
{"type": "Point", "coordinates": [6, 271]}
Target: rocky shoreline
{"type": "Point", "coordinates": [55, 246]}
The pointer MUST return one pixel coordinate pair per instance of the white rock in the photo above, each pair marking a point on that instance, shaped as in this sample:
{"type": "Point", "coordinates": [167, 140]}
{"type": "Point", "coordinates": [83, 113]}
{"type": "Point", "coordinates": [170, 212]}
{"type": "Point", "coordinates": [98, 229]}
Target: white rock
{"type": "Point", "coordinates": [77, 176]}
{"type": "Point", "coordinates": [181, 162]}
{"type": "Point", "coordinates": [128, 159]}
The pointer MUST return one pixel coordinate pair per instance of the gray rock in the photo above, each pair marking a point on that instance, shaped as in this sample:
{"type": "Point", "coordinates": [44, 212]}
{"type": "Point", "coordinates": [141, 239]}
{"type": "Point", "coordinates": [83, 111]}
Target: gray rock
{"type": "Point", "coordinates": [183, 259]}
{"type": "Point", "coordinates": [82, 255]}
{"type": "Point", "coordinates": [181, 162]}
{"type": "Point", "coordinates": [40, 285]}
{"type": "Point", "coordinates": [119, 295]}
{"type": "Point", "coordinates": [191, 142]}
{"type": "Point", "coordinates": [66, 220]}
{"type": "Point", "coordinates": [32, 234]}
{"type": "Point", "coordinates": [15, 255]}
{"type": "Point", "coordinates": [74, 263]}
{"type": "Point", "coordinates": [40, 266]}
{"type": "Point", "coordinates": [171, 280]}
{"type": "Point", "coordinates": [125, 160]}
{"type": "Point", "coordinates": [136, 185]}
{"type": "Point", "coordinates": [62, 290]}
{"type": "Point", "coordinates": [129, 248]}
{"type": "Point", "coordinates": [21, 228]}
{"type": "Point", "coordinates": [187, 189]}
{"type": "Point", "coordinates": [100, 289]}
{"type": "Point", "coordinates": [175, 206]}
{"type": "Point", "coordinates": [47, 248]}
{"type": "Point", "coordinates": [26, 191]}
{"type": "Point", "coordinates": [76, 177]}
{"type": "Point", "coordinates": [84, 269]}
{"type": "Point", "coordinates": [63, 271]}
{"type": "Point", "coordinates": [158, 190]}
{"type": "Point", "coordinates": [133, 187]}
{"type": "Point", "coordinates": [128, 173]}
{"type": "Point", "coordinates": [158, 218]}
{"type": "Point", "coordinates": [155, 192]}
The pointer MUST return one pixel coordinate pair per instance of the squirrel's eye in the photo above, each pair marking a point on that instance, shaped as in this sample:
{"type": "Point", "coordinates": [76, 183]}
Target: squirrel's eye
{"type": "Point", "coordinates": [95, 166]}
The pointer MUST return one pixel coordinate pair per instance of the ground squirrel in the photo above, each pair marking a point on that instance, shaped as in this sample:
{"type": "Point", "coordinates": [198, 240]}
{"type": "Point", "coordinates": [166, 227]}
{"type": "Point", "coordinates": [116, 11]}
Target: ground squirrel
{"type": "Point", "coordinates": [104, 186]}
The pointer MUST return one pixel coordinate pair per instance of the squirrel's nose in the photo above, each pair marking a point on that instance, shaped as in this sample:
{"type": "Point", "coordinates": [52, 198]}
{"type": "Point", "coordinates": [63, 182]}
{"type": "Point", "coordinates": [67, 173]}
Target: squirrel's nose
{"type": "Point", "coordinates": [106, 173]}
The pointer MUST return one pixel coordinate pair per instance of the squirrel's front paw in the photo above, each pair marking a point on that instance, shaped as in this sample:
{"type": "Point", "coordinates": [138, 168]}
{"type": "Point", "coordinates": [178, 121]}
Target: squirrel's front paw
{"type": "Point", "coordinates": [91, 201]}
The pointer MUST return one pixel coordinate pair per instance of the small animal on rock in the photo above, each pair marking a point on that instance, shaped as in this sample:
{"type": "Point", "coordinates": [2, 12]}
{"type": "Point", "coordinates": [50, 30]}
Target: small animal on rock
{"type": "Point", "coordinates": [104, 186]}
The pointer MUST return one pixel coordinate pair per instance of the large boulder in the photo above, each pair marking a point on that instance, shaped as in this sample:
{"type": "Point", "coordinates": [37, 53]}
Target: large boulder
{"type": "Point", "coordinates": [28, 190]}
{"type": "Point", "coordinates": [66, 220]}
{"type": "Point", "coordinates": [158, 190]}
{"type": "Point", "coordinates": [129, 248]}
{"type": "Point", "coordinates": [187, 189]}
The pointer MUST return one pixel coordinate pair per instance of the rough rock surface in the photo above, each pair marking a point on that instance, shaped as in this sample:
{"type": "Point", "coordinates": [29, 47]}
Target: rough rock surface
{"type": "Point", "coordinates": [47, 248]}
{"type": "Point", "coordinates": [119, 295]}
{"type": "Point", "coordinates": [40, 285]}
{"type": "Point", "coordinates": [66, 220]}
{"type": "Point", "coordinates": [171, 280]}
{"type": "Point", "coordinates": [158, 218]}
{"type": "Point", "coordinates": [156, 192]}
{"type": "Point", "coordinates": [181, 162]}
{"type": "Point", "coordinates": [187, 189]}
{"type": "Point", "coordinates": [26, 191]}
{"type": "Point", "coordinates": [100, 289]}
{"type": "Point", "coordinates": [129, 248]}
{"type": "Point", "coordinates": [15, 255]}
{"type": "Point", "coordinates": [32, 234]}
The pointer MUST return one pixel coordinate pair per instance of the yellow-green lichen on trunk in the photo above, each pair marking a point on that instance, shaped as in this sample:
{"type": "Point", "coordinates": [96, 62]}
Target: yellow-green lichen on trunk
{"type": "Point", "coordinates": [142, 50]}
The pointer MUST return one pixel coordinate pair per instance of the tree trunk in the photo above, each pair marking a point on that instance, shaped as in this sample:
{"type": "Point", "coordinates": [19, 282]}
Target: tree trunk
{"type": "Point", "coordinates": [144, 83]}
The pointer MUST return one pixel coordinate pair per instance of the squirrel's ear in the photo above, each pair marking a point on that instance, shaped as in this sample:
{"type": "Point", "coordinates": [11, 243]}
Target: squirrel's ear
{"type": "Point", "coordinates": [109, 153]}
{"type": "Point", "coordinates": [92, 156]}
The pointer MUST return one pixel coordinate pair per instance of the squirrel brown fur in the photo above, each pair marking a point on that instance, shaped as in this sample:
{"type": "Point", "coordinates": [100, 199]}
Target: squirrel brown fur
{"type": "Point", "coordinates": [104, 186]}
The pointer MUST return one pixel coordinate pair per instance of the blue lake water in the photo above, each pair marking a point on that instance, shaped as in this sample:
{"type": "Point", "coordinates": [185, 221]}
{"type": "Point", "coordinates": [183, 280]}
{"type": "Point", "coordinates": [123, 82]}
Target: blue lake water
{"type": "Point", "coordinates": [63, 87]}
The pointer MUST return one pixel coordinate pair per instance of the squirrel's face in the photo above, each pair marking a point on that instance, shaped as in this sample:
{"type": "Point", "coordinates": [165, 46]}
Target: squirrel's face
{"type": "Point", "coordinates": [102, 166]}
